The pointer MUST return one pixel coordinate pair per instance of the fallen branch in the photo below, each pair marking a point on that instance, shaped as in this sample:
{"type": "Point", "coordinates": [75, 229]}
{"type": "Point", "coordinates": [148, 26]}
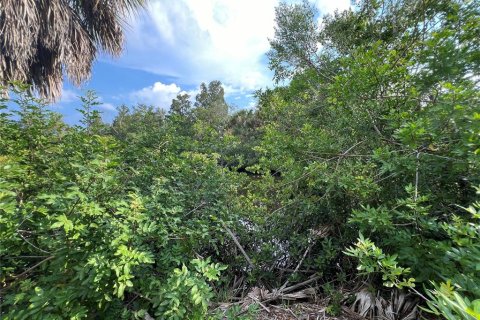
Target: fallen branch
{"type": "Point", "coordinates": [239, 246]}
{"type": "Point", "coordinates": [292, 270]}
{"type": "Point", "coordinates": [301, 284]}
{"type": "Point", "coordinates": [281, 293]}
{"type": "Point", "coordinates": [263, 296]}
{"type": "Point", "coordinates": [299, 264]}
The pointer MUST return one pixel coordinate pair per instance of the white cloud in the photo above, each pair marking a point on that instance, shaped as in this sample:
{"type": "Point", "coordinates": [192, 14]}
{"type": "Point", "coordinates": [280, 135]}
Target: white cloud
{"type": "Point", "coordinates": [232, 91]}
{"type": "Point", "coordinates": [198, 41]}
{"type": "Point", "coordinates": [107, 106]}
{"type": "Point", "coordinates": [68, 96]}
{"type": "Point", "coordinates": [205, 40]}
{"type": "Point", "coordinates": [159, 94]}
{"type": "Point", "coordinates": [251, 105]}
{"type": "Point", "coordinates": [329, 6]}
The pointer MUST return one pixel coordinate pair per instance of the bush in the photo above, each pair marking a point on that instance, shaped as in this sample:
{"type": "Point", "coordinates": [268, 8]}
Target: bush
{"type": "Point", "coordinates": [79, 241]}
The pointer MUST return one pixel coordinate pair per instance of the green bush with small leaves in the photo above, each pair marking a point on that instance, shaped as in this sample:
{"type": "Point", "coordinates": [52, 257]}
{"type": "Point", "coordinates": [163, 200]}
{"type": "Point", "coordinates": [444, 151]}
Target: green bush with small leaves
{"type": "Point", "coordinates": [83, 237]}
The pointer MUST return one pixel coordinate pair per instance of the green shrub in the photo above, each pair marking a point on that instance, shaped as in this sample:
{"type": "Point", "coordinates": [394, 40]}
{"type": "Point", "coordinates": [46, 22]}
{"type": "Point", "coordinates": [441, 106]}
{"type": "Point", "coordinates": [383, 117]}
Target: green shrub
{"type": "Point", "coordinates": [82, 237]}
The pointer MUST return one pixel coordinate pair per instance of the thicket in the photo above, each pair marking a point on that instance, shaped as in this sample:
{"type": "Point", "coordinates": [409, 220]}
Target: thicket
{"type": "Point", "coordinates": [364, 168]}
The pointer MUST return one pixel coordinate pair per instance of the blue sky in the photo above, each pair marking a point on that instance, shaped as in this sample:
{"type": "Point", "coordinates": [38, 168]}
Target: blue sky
{"type": "Point", "coordinates": [173, 46]}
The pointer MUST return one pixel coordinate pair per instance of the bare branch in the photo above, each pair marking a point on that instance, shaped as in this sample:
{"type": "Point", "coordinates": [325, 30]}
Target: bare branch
{"type": "Point", "coordinates": [237, 243]}
{"type": "Point", "coordinates": [33, 267]}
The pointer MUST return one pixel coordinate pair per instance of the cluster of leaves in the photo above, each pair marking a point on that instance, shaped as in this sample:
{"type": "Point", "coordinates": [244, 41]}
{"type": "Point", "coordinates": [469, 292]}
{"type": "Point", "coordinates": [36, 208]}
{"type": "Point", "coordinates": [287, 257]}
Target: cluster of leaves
{"type": "Point", "coordinates": [459, 295]}
{"type": "Point", "coordinates": [373, 260]}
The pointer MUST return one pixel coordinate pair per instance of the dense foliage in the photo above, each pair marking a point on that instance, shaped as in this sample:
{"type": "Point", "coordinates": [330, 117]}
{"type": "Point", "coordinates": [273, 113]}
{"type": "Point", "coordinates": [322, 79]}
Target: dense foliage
{"type": "Point", "coordinates": [363, 169]}
{"type": "Point", "coordinates": [91, 220]}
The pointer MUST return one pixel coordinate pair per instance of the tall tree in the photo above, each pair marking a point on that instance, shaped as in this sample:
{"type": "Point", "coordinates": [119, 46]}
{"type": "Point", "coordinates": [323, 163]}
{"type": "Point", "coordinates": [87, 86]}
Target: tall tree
{"type": "Point", "coordinates": [181, 105]}
{"type": "Point", "coordinates": [210, 105]}
{"type": "Point", "coordinates": [295, 44]}
{"type": "Point", "coordinates": [42, 40]}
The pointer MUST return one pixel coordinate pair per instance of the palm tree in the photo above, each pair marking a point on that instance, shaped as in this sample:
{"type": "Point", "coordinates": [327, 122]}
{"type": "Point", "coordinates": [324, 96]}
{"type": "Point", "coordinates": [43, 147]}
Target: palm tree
{"type": "Point", "coordinates": [40, 40]}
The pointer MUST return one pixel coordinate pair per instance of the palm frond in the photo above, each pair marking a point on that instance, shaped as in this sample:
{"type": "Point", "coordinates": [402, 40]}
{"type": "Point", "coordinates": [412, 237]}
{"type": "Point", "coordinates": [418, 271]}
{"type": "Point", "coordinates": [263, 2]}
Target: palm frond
{"type": "Point", "coordinates": [41, 40]}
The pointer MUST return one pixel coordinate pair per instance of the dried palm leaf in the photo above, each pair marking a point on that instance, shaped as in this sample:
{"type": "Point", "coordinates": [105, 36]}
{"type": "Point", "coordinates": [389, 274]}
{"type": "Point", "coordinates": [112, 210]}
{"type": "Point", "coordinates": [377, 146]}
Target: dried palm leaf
{"type": "Point", "coordinates": [401, 306]}
{"type": "Point", "coordinates": [41, 40]}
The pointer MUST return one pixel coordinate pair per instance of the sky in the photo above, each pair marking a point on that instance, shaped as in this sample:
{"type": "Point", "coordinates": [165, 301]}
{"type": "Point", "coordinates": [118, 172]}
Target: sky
{"type": "Point", "coordinates": [173, 46]}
